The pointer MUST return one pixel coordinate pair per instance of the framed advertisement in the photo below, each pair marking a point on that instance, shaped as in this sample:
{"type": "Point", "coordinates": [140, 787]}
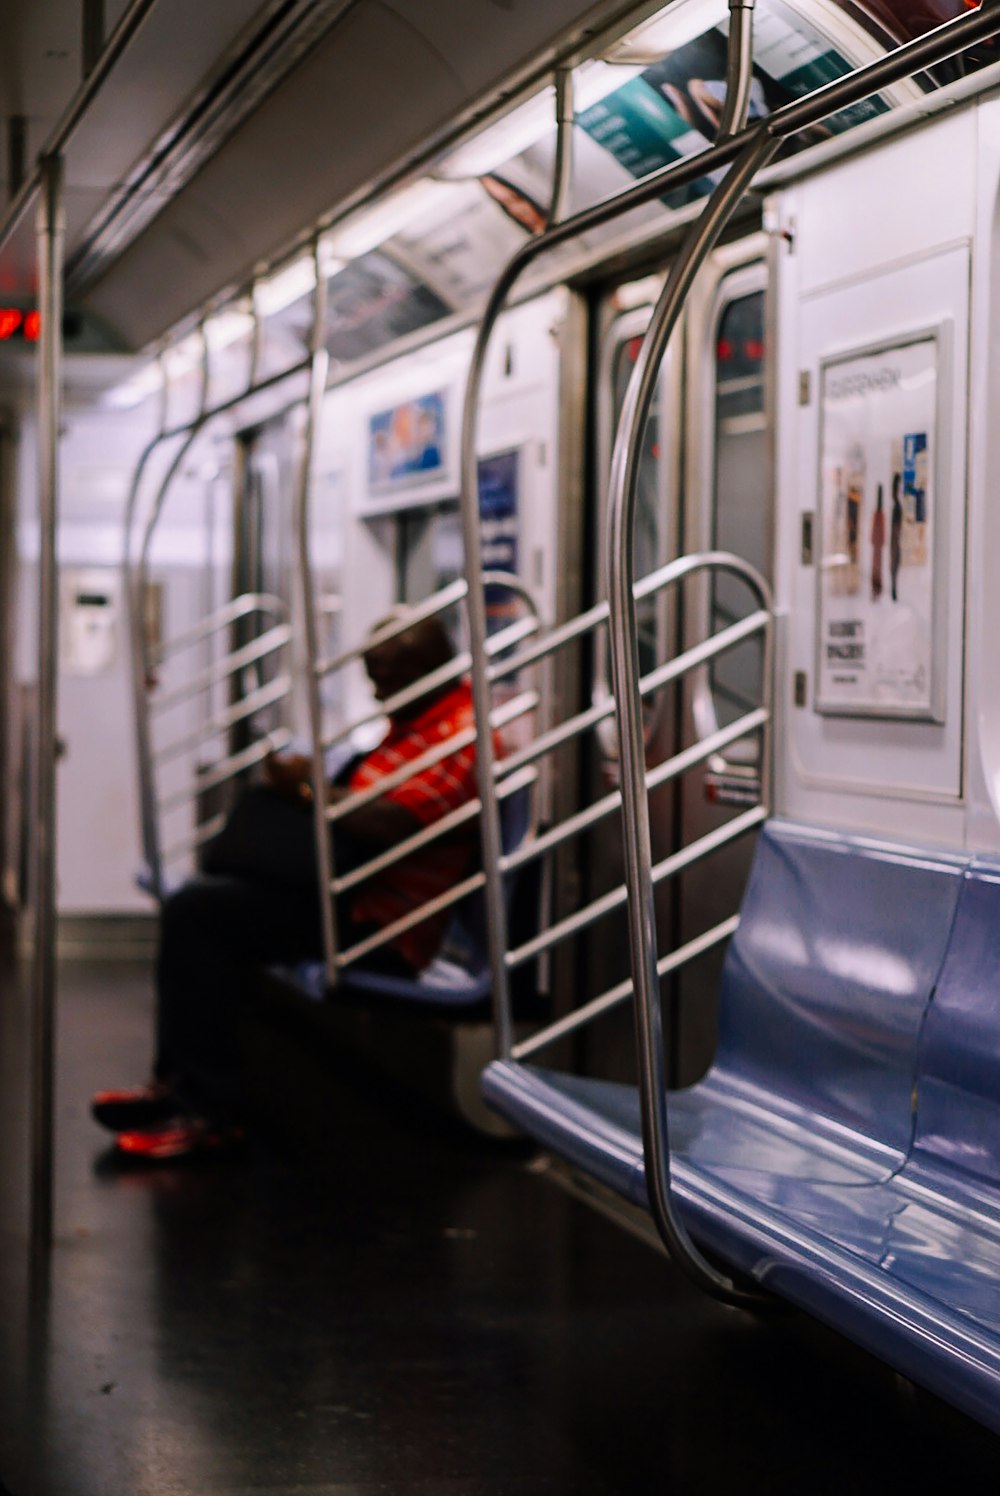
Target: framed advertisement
{"type": "Point", "coordinates": [878, 627]}
{"type": "Point", "coordinates": [409, 453]}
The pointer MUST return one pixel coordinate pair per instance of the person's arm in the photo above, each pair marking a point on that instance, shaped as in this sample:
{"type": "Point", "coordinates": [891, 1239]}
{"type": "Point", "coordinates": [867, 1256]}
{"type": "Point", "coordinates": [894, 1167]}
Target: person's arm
{"type": "Point", "coordinates": [382, 822]}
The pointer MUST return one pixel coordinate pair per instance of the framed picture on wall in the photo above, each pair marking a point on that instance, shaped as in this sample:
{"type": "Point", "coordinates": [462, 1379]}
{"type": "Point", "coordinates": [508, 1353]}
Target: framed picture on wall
{"type": "Point", "coordinates": [878, 628]}
{"type": "Point", "coordinates": [409, 454]}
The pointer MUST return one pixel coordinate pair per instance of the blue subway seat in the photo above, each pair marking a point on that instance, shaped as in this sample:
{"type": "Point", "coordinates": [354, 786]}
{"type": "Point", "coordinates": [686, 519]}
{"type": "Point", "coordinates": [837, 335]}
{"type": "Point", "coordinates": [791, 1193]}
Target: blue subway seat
{"type": "Point", "coordinates": [458, 980]}
{"type": "Point", "coordinates": [844, 1149]}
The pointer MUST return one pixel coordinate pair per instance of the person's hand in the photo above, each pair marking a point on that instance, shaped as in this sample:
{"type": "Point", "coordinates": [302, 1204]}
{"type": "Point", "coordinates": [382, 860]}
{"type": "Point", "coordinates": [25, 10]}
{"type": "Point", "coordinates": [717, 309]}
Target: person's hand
{"type": "Point", "coordinates": [288, 774]}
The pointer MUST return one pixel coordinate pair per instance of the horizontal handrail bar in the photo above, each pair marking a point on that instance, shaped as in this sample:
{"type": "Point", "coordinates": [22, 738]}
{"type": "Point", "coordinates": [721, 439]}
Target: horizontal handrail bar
{"type": "Point", "coordinates": [388, 933]}
{"type": "Point", "coordinates": [452, 670]}
{"type": "Point", "coordinates": [581, 722]}
{"type": "Point", "coordinates": [438, 602]}
{"type": "Point", "coordinates": [204, 833]}
{"type": "Point", "coordinates": [213, 623]}
{"type": "Point", "coordinates": [425, 836]}
{"type": "Point", "coordinates": [501, 716]}
{"type": "Point", "coordinates": [228, 768]}
{"type": "Point", "coordinates": [616, 897]}
{"type": "Point", "coordinates": [670, 769]}
{"type": "Point", "coordinates": [583, 623]}
{"type": "Point", "coordinates": [615, 996]}
{"type": "Point", "coordinates": [263, 696]}
{"type": "Point", "coordinates": [248, 654]}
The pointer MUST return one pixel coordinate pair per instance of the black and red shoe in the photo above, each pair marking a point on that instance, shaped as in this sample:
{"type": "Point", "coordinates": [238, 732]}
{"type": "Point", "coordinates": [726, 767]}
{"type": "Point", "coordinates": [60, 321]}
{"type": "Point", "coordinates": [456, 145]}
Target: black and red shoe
{"type": "Point", "coordinates": [183, 1137]}
{"type": "Point", "coordinates": [134, 1108]}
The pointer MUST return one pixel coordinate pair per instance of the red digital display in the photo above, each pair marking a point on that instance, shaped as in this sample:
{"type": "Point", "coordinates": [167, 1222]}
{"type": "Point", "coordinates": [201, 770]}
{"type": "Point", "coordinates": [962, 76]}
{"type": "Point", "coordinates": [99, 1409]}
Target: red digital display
{"type": "Point", "coordinates": [17, 324]}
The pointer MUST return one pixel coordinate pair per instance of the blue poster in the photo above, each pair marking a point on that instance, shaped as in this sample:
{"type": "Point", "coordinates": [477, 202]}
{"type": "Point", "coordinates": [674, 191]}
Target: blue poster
{"type": "Point", "coordinates": [406, 445]}
{"type": "Point", "coordinates": [498, 528]}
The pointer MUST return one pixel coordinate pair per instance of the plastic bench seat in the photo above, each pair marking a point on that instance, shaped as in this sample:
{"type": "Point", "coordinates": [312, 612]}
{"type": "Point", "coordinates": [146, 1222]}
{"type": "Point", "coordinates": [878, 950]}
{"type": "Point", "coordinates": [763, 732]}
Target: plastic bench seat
{"type": "Point", "coordinates": [458, 981]}
{"type": "Point", "coordinates": [845, 1147]}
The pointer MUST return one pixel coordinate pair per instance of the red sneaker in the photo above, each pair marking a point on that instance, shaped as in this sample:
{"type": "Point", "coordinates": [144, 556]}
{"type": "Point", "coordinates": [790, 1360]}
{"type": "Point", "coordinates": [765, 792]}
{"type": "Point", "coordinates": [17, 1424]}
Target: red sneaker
{"type": "Point", "coordinates": [134, 1107]}
{"type": "Point", "coordinates": [183, 1138]}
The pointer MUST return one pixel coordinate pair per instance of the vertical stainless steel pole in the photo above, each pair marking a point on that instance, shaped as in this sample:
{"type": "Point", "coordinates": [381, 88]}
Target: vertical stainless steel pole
{"type": "Point", "coordinates": [309, 649]}
{"type": "Point", "coordinates": [50, 267]}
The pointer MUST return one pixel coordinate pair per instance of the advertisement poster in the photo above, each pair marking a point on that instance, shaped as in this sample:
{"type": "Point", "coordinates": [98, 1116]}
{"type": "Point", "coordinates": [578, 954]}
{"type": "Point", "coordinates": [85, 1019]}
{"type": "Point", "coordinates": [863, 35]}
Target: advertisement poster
{"type": "Point", "coordinates": [878, 522]}
{"type": "Point", "coordinates": [406, 445]}
{"type": "Point", "coordinates": [673, 107]}
{"type": "Point", "coordinates": [498, 527]}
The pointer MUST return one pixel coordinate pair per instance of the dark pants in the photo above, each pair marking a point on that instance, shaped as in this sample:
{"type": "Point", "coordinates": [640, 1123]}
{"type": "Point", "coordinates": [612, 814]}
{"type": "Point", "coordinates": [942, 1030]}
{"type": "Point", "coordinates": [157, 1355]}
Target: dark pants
{"type": "Point", "coordinates": [219, 928]}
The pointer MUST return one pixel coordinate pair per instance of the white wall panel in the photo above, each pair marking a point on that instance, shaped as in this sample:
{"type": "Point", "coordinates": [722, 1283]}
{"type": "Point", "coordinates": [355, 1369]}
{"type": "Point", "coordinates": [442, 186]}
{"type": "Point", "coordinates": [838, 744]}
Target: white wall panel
{"type": "Point", "coordinates": [898, 202]}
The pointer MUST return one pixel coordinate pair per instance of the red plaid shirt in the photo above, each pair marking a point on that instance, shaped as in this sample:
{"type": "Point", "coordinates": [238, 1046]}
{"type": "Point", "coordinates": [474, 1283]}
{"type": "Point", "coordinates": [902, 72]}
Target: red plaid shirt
{"type": "Point", "coordinates": [427, 795]}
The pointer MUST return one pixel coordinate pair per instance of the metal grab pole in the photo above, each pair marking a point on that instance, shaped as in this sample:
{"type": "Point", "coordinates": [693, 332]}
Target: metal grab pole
{"type": "Point", "coordinates": [325, 870]}
{"type": "Point", "coordinates": [142, 669]}
{"type": "Point", "coordinates": [739, 69]}
{"type": "Point", "coordinates": [135, 615]}
{"type": "Point", "coordinates": [562, 178]}
{"type": "Point", "coordinates": [625, 676]}
{"type": "Point", "coordinates": [492, 840]}
{"type": "Point", "coordinates": [51, 233]}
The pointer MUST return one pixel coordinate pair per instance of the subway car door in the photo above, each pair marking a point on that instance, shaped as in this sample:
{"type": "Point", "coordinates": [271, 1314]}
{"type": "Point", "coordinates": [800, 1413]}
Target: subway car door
{"type": "Point", "coordinates": [622, 318]}
{"type": "Point", "coordinates": [728, 486]}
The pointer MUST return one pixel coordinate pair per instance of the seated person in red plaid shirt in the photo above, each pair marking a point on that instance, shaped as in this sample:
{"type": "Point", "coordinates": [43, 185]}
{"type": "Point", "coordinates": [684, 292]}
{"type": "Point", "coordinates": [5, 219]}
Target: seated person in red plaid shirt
{"type": "Point", "coordinates": [261, 903]}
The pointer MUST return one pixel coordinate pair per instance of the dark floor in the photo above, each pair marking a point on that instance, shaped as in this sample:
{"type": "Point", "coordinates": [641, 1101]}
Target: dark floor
{"type": "Point", "coordinates": [372, 1300]}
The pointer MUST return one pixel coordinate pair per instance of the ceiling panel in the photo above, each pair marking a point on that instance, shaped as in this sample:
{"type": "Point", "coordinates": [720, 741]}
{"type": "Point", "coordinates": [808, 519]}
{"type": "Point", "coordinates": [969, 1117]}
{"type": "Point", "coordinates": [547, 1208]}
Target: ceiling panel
{"type": "Point", "coordinates": [383, 85]}
{"type": "Point", "coordinates": [385, 80]}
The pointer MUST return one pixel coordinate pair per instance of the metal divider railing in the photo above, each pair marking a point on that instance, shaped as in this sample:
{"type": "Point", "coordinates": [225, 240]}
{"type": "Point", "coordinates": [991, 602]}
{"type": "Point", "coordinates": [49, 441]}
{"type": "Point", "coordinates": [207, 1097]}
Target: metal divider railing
{"type": "Point", "coordinates": [755, 721]}
{"type": "Point", "coordinates": [140, 526]}
{"type": "Point", "coordinates": [744, 150]}
{"type": "Point", "coordinates": [757, 147]}
{"type": "Point", "coordinates": [503, 715]}
{"type": "Point", "coordinates": [237, 675]}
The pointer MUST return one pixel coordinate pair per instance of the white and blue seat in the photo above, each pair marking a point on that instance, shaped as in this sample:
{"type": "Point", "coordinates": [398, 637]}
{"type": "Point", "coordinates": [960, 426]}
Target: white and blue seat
{"type": "Point", "coordinates": [844, 1148]}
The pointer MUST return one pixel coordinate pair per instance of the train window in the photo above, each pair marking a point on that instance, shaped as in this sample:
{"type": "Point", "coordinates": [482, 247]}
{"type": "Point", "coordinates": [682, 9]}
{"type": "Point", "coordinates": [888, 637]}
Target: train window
{"type": "Point", "coordinates": [655, 508]}
{"type": "Point", "coordinates": [740, 486]}
{"type": "Point", "coordinates": [428, 550]}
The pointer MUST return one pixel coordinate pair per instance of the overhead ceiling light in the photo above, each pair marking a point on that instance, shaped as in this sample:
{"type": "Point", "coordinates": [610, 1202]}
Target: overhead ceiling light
{"type": "Point", "coordinates": [286, 286]}
{"type": "Point", "coordinates": [524, 126]}
{"type": "Point", "coordinates": [228, 327]}
{"type": "Point", "coordinates": [140, 386]}
{"type": "Point", "coordinates": [373, 225]}
{"type": "Point", "coordinates": [183, 357]}
{"type": "Point", "coordinates": [594, 80]}
{"type": "Point", "coordinates": [532, 121]}
{"type": "Point", "coordinates": [680, 22]}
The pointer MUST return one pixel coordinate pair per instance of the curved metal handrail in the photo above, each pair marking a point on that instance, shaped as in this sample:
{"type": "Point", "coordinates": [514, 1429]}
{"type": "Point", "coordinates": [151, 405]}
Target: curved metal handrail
{"type": "Point", "coordinates": [755, 152]}
{"type": "Point", "coordinates": [134, 569]}
{"type": "Point", "coordinates": [927, 51]}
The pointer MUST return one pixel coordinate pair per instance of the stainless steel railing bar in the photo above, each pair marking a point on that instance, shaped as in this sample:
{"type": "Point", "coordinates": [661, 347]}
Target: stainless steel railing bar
{"type": "Point", "coordinates": [443, 676]}
{"type": "Point", "coordinates": [275, 691]}
{"type": "Point", "coordinates": [554, 639]}
{"type": "Point", "coordinates": [248, 654]}
{"type": "Point", "coordinates": [438, 602]}
{"type": "Point", "coordinates": [615, 996]}
{"type": "Point", "coordinates": [671, 768]}
{"type": "Point", "coordinates": [501, 716]}
{"type": "Point", "coordinates": [420, 839]}
{"type": "Point", "coordinates": [228, 768]}
{"type": "Point", "coordinates": [579, 625]}
{"type": "Point", "coordinates": [694, 852]}
{"type": "Point", "coordinates": [425, 837]}
{"type": "Point", "coordinates": [240, 607]}
{"type": "Point", "coordinates": [204, 833]}
{"type": "Point", "coordinates": [698, 654]}
{"type": "Point", "coordinates": [384, 936]}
